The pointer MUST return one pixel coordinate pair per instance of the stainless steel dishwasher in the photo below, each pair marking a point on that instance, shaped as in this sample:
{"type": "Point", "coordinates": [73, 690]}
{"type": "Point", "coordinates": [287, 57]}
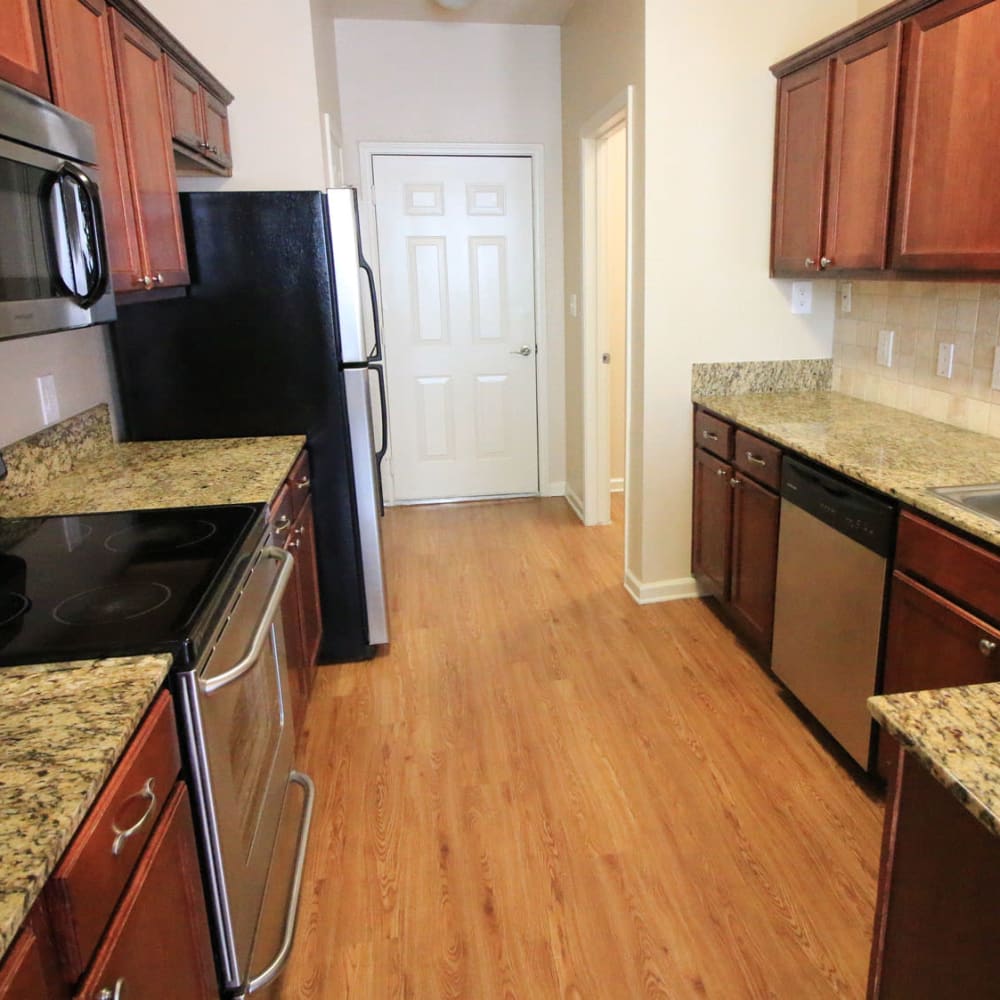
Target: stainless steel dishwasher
{"type": "Point", "coordinates": [833, 547]}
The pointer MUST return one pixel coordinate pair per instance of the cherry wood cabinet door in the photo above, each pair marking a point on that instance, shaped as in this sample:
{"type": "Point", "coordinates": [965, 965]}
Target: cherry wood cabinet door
{"type": "Point", "coordinates": [311, 614]}
{"type": "Point", "coordinates": [186, 116]}
{"type": "Point", "coordinates": [83, 82]}
{"type": "Point", "coordinates": [146, 119]}
{"type": "Point", "coordinates": [22, 50]}
{"type": "Point", "coordinates": [30, 969]}
{"type": "Point", "coordinates": [862, 134]}
{"type": "Point", "coordinates": [712, 523]}
{"type": "Point", "coordinates": [158, 944]}
{"type": "Point", "coordinates": [216, 116]}
{"type": "Point", "coordinates": [947, 212]}
{"type": "Point", "coordinates": [754, 559]}
{"type": "Point", "coordinates": [800, 169]}
{"type": "Point", "coordinates": [932, 643]}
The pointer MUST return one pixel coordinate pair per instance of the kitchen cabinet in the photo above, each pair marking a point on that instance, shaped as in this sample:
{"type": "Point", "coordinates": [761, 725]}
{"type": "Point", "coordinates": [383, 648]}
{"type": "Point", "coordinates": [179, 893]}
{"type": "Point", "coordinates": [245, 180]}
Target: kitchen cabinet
{"type": "Point", "coordinates": [148, 143]}
{"type": "Point", "coordinates": [833, 159]}
{"type": "Point", "coordinates": [83, 82]}
{"type": "Point", "coordinates": [30, 970]}
{"type": "Point", "coordinates": [939, 880]}
{"type": "Point", "coordinates": [200, 121]}
{"type": "Point", "coordinates": [944, 613]}
{"type": "Point", "coordinates": [293, 529]}
{"type": "Point", "coordinates": [948, 213]}
{"type": "Point", "coordinates": [22, 49]}
{"type": "Point", "coordinates": [736, 508]}
{"type": "Point", "coordinates": [157, 945]}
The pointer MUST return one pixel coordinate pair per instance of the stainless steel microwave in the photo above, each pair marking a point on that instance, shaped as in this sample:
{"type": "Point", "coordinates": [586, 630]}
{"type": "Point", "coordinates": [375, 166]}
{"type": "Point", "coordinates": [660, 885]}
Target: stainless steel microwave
{"type": "Point", "coordinates": [53, 258]}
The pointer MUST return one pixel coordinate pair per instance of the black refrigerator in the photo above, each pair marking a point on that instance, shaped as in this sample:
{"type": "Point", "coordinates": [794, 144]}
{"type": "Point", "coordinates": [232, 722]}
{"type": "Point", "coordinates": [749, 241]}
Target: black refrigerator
{"type": "Point", "coordinates": [277, 334]}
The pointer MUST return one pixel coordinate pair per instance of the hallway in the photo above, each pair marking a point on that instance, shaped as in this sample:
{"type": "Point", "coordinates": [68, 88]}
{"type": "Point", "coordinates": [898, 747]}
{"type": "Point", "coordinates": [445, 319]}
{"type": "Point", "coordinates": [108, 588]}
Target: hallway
{"type": "Point", "coordinates": [545, 790]}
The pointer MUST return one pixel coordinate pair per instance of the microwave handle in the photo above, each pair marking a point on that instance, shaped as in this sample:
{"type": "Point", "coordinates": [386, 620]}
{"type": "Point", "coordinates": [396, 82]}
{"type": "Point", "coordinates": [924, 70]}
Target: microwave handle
{"type": "Point", "coordinates": [99, 284]}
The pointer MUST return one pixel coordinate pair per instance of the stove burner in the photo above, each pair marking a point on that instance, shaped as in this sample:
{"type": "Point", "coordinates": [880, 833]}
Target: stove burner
{"type": "Point", "coordinates": [148, 539]}
{"type": "Point", "coordinates": [12, 606]}
{"type": "Point", "coordinates": [118, 602]}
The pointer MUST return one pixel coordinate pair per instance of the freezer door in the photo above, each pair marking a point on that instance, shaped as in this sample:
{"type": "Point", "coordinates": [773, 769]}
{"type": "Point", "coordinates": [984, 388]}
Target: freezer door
{"type": "Point", "coordinates": [357, 309]}
{"type": "Point", "coordinates": [369, 500]}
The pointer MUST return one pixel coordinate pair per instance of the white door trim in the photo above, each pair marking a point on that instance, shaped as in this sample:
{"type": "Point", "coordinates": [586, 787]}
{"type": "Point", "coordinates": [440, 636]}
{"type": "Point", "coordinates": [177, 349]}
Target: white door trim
{"type": "Point", "coordinates": [596, 390]}
{"type": "Point", "coordinates": [535, 151]}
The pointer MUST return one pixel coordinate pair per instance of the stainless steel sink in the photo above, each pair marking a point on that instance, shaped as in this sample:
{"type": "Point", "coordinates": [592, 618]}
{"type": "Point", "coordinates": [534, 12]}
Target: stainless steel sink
{"type": "Point", "coordinates": [984, 499]}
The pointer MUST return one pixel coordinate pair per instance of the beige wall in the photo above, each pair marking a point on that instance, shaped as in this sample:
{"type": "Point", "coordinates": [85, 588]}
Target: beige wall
{"type": "Point", "coordinates": [867, 6]}
{"type": "Point", "coordinates": [276, 144]}
{"type": "Point", "coordinates": [709, 148]}
{"type": "Point", "coordinates": [612, 172]}
{"type": "Point", "coordinates": [479, 83]}
{"type": "Point", "coordinates": [602, 54]}
{"type": "Point", "coordinates": [324, 32]}
{"type": "Point", "coordinates": [923, 315]}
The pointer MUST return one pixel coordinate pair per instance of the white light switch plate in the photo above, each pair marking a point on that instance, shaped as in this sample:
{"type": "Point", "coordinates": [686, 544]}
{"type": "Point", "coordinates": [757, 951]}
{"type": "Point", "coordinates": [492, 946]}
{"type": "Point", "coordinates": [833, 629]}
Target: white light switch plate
{"type": "Point", "coordinates": [946, 359]}
{"type": "Point", "coordinates": [883, 354]}
{"type": "Point", "coordinates": [802, 297]}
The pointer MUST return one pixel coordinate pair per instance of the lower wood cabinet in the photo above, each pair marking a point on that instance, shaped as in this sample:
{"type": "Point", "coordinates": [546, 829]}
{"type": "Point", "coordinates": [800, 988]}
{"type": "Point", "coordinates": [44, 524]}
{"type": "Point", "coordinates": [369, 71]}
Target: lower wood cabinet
{"type": "Point", "coordinates": [30, 970]}
{"type": "Point", "coordinates": [734, 545]}
{"type": "Point", "coordinates": [157, 947]}
{"type": "Point", "coordinates": [935, 919]}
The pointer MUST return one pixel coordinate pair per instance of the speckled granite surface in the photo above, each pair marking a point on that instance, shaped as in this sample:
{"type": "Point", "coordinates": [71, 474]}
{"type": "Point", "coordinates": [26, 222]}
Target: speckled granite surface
{"type": "Point", "coordinates": [890, 450]}
{"type": "Point", "coordinates": [99, 475]}
{"type": "Point", "coordinates": [955, 733]}
{"type": "Point", "coordinates": [62, 729]}
{"type": "Point", "coordinates": [735, 378]}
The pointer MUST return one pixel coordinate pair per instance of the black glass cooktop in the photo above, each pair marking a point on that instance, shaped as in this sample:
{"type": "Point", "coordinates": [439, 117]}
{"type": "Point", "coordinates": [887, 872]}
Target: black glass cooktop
{"type": "Point", "coordinates": [96, 585]}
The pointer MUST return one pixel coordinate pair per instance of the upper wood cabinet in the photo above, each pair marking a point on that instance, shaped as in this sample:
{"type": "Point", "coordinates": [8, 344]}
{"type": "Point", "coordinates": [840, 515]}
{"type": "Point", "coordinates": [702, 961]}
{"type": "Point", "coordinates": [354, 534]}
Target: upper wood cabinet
{"type": "Point", "coordinates": [22, 51]}
{"type": "Point", "coordinates": [200, 120]}
{"type": "Point", "coordinates": [146, 123]}
{"type": "Point", "coordinates": [833, 158]}
{"type": "Point", "coordinates": [948, 210]}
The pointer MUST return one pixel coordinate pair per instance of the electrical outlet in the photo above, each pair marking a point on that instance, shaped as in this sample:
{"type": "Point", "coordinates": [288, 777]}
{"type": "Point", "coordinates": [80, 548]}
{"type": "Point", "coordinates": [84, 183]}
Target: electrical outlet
{"type": "Point", "coordinates": [946, 359]}
{"type": "Point", "coordinates": [845, 297]}
{"type": "Point", "coordinates": [996, 368]}
{"type": "Point", "coordinates": [802, 297]}
{"type": "Point", "coordinates": [48, 399]}
{"type": "Point", "coordinates": [883, 354]}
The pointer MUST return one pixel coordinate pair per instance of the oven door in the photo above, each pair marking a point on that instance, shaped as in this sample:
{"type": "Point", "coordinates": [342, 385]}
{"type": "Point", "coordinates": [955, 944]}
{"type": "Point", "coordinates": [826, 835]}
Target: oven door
{"type": "Point", "coordinates": [53, 260]}
{"type": "Point", "coordinates": [242, 747]}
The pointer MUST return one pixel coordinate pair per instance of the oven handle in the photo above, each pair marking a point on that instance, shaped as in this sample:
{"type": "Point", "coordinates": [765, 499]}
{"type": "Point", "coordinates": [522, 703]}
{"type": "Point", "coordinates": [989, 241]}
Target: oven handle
{"type": "Point", "coordinates": [247, 661]}
{"type": "Point", "coordinates": [272, 972]}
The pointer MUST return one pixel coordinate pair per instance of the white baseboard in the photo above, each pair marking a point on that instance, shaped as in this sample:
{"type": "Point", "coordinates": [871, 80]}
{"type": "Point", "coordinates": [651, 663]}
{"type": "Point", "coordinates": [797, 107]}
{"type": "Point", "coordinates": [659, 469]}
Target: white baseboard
{"type": "Point", "coordinates": [554, 490]}
{"type": "Point", "coordinates": [618, 485]}
{"type": "Point", "coordinates": [574, 501]}
{"type": "Point", "coordinates": [658, 592]}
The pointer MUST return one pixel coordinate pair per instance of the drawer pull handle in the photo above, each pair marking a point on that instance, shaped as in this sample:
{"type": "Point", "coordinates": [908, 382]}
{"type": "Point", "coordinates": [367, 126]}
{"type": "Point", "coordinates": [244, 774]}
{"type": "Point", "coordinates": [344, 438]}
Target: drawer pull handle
{"type": "Point", "coordinates": [986, 646]}
{"type": "Point", "coordinates": [302, 483]}
{"type": "Point", "coordinates": [123, 835]}
{"type": "Point", "coordinates": [752, 458]}
{"type": "Point", "coordinates": [282, 524]}
{"type": "Point", "coordinates": [710, 435]}
{"type": "Point", "coordinates": [117, 993]}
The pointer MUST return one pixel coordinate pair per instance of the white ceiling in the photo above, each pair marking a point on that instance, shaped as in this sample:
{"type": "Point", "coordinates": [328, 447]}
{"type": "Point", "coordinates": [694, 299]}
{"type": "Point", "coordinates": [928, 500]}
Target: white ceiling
{"type": "Point", "coordinates": [482, 11]}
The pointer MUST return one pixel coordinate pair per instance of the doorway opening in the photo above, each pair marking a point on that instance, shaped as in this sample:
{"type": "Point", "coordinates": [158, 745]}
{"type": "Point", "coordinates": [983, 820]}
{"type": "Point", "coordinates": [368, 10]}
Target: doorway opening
{"type": "Point", "coordinates": [607, 188]}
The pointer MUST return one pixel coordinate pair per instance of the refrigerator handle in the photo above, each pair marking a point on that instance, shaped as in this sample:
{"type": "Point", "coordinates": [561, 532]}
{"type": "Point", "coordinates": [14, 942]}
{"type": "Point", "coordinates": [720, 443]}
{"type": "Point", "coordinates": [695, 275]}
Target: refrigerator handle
{"type": "Point", "coordinates": [384, 446]}
{"type": "Point", "coordinates": [376, 354]}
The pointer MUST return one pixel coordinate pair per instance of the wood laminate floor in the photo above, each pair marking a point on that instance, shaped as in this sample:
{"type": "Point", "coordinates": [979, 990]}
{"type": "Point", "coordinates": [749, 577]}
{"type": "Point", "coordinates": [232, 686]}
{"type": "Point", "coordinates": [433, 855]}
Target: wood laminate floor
{"type": "Point", "coordinates": [546, 791]}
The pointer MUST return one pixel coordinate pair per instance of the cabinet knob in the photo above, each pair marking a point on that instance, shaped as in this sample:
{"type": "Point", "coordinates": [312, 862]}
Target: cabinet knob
{"type": "Point", "coordinates": [710, 435]}
{"type": "Point", "coordinates": [735, 482]}
{"type": "Point", "coordinates": [145, 280]}
{"type": "Point", "coordinates": [721, 472]}
{"type": "Point", "coordinates": [810, 261]}
{"type": "Point", "coordinates": [158, 278]}
{"type": "Point", "coordinates": [302, 483]}
{"type": "Point", "coordinates": [986, 646]}
{"type": "Point", "coordinates": [825, 262]}
{"type": "Point", "coordinates": [115, 993]}
{"type": "Point", "coordinates": [282, 524]}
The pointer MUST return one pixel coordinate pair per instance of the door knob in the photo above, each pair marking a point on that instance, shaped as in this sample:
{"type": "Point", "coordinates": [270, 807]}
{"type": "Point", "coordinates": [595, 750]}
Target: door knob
{"type": "Point", "coordinates": [525, 351]}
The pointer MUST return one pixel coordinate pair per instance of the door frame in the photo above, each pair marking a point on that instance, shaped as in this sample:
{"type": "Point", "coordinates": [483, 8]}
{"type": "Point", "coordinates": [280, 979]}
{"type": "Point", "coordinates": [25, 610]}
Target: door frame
{"type": "Point", "coordinates": [596, 382]}
{"type": "Point", "coordinates": [536, 153]}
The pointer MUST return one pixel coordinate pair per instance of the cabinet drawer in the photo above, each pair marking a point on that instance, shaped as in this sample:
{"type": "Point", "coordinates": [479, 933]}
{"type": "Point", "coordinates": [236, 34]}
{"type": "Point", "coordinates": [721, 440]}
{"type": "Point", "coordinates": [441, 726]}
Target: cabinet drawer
{"type": "Point", "coordinates": [963, 570]}
{"type": "Point", "coordinates": [713, 434]}
{"type": "Point", "coordinates": [84, 889]}
{"type": "Point", "coordinates": [282, 516]}
{"type": "Point", "coordinates": [758, 459]}
{"type": "Point", "coordinates": [298, 483]}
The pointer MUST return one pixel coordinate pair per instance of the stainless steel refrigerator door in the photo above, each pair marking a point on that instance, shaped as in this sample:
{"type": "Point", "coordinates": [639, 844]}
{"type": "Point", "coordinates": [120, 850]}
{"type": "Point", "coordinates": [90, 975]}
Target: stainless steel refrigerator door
{"type": "Point", "coordinates": [368, 494]}
{"type": "Point", "coordinates": [345, 246]}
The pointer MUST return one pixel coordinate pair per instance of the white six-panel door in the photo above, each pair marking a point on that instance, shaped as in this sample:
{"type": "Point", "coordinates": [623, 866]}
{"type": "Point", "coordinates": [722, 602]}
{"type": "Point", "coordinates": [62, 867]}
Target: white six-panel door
{"type": "Point", "coordinates": [456, 262]}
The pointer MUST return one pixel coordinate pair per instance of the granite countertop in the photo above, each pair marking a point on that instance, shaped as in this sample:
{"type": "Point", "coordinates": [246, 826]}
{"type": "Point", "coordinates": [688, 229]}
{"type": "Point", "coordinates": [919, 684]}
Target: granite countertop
{"type": "Point", "coordinates": [62, 727]}
{"type": "Point", "coordinates": [76, 468]}
{"type": "Point", "coordinates": [955, 733]}
{"type": "Point", "coordinates": [895, 452]}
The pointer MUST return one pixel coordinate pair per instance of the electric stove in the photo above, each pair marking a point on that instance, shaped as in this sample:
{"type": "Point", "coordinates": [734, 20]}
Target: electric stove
{"type": "Point", "coordinates": [118, 584]}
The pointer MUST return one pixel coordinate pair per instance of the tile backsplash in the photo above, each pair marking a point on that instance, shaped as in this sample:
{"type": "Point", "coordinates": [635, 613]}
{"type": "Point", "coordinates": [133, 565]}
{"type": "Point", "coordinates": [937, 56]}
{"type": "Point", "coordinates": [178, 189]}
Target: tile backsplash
{"type": "Point", "coordinates": [922, 316]}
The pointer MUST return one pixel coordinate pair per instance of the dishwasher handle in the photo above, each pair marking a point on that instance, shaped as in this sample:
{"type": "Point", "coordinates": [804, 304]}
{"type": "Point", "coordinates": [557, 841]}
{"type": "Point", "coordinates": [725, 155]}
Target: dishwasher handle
{"type": "Point", "coordinates": [845, 506]}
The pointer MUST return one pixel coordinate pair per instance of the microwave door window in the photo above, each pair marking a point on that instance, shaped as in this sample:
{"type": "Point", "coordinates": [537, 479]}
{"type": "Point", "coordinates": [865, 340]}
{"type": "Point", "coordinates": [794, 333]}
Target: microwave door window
{"type": "Point", "coordinates": [66, 215]}
{"type": "Point", "coordinates": [26, 266]}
